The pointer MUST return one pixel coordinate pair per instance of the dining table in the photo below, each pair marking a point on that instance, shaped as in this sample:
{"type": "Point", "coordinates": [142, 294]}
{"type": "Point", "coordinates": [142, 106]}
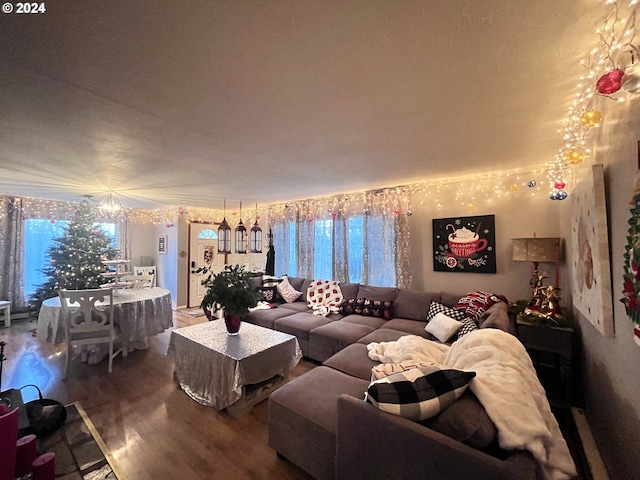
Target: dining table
{"type": "Point", "coordinates": [139, 312]}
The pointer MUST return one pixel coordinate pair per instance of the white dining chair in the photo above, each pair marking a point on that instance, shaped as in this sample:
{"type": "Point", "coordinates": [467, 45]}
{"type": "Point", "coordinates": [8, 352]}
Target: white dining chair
{"type": "Point", "coordinates": [151, 270]}
{"type": "Point", "coordinates": [88, 319]}
{"type": "Point", "coordinates": [6, 306]}
{"type": "Point", "coordinates": [140, 281]}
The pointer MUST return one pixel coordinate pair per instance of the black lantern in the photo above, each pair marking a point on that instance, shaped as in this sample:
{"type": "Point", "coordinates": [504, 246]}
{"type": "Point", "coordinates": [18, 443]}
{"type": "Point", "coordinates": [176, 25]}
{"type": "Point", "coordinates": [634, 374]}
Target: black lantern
{"type": "Point", "coordinates": [224, 234]}
{"type": "Point", "coordinates": [255, 238]}
{"type": "Point", "coordinates": [241, 235]}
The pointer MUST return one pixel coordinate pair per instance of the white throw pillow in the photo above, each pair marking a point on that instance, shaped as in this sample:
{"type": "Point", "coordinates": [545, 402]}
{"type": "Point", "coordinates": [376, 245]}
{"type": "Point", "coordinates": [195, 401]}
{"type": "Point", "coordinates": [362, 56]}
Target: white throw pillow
{"type": "Point", "coordinates": [287, 292]}
{"type": "Point", "coordinates": [443, 327]}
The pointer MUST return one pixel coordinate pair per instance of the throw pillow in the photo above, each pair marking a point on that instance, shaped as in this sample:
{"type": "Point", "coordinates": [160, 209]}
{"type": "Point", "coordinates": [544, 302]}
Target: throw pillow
{"type": "Point", "coordinates": [325, 293]}
{"type": "Point", "coordinates": [368, 308]}
{"type": "Point", "coordinates": [468, 326]}
{"type": "Point", "coordinates": [436, 308]}
{"type": "Point", "coordinates": [443, 327]}
{"type": "Point", "coordinates": [418, 393]}
{"type": "Point", "coordinates": [270, 288]}
{"type": "Point", "coordinates": [287, 292]}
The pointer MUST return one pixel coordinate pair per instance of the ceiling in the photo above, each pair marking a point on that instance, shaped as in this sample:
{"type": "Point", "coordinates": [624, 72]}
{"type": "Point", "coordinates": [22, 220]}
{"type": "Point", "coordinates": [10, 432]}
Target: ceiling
{"type": "Point", "coordinates": [190, 102]}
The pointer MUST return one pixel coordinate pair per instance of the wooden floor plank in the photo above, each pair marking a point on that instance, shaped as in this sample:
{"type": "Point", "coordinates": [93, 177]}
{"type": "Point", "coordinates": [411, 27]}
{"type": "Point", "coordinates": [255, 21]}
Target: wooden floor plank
{"type": "Point", "coordinates": [148, 424]}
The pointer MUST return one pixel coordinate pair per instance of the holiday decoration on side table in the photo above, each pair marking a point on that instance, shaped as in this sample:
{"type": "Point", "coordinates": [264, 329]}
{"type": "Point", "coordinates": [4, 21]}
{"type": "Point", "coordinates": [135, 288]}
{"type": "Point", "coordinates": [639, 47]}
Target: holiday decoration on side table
{"type": "Point", "coordinates": [76, 257]}
{"type": "Point", "coordinates": [545, 303]}
{"type": "Point", "coordinates": [631, 274]}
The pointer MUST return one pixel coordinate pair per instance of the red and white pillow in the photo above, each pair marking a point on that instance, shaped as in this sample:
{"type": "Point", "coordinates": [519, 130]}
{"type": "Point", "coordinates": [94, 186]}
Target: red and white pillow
{"type": "Point", "coordinates": [324, 296]}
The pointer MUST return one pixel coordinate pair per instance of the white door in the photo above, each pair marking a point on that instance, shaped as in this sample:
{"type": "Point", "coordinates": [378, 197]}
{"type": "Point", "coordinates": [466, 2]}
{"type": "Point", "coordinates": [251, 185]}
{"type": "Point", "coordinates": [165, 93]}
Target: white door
{"type": "Point", "coordinates": [203, 251]}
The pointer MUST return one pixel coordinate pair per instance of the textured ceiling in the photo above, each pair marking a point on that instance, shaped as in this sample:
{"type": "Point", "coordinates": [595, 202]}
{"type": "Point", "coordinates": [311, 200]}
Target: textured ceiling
{"type": "Point", "coordinates": [190, 102]}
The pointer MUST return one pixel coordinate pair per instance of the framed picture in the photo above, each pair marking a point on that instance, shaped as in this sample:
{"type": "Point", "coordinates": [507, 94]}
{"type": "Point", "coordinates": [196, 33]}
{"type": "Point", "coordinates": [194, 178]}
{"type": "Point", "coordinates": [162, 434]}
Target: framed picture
{"type": "Point", "coordinates": [464, 244]}
{"type": "Point", "coordinates": [162, 244]}
{"type": "Point", "coordinates": [589, 253]}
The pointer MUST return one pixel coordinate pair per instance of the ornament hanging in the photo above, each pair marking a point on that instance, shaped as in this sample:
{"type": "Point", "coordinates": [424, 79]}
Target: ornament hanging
{"type": "Point", "coordinates": [610, 82]}
{"type": "Point", "coordinates": [559, 185]}
{"type": "Point", "coordinates": [532, 183]}
{"type": "Point", "coordinates": [574, 157]}
{"type": "Point", "coordinates": [592, 118]}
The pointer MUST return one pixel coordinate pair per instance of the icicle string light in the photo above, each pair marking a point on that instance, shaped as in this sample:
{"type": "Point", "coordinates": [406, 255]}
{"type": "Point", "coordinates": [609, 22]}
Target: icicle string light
{"type": "Point", "coordinates": [616, 34]}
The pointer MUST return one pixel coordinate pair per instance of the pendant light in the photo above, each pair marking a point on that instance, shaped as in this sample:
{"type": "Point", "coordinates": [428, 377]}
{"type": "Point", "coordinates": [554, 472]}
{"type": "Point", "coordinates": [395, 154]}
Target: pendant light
{"type": "Point", "coordinates": [224, 233]}
{"type": "Point", "coordinates": [255, 237]}
{"type": "Point", "coordinates": [241, 235]}
{"type": "Point", "coordinates": [110, 207]}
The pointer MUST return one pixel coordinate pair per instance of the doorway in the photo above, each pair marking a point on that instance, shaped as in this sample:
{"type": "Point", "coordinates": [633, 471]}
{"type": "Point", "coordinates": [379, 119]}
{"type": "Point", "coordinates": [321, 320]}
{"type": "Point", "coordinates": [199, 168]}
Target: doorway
{"type": "Point", "coordinates": [203, 252]}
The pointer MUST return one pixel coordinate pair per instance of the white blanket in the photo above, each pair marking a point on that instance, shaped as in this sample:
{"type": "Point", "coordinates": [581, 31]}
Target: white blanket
{"type": "Point", "coordinates": [506, 384]}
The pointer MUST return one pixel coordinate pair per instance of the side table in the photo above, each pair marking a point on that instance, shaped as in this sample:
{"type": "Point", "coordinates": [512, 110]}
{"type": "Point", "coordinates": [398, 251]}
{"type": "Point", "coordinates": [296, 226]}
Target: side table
{"type": "Point", "coordinates": [549, 342]}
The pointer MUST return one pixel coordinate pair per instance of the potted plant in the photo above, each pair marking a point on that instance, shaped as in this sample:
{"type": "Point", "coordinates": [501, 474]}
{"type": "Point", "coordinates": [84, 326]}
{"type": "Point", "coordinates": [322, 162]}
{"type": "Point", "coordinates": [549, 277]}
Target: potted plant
{"type": "Point", "coordinates": [232, 290]}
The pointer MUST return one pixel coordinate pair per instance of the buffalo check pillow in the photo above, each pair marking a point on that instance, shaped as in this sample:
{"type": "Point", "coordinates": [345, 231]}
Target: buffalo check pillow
{"type": "Point", "coordinates": [418, 393]}
{"type": "Point", "coordinates": [436, 308]}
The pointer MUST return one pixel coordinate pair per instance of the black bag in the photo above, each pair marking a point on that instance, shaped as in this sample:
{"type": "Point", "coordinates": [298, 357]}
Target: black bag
{"type": "Point", "coordinates": [45, 415]}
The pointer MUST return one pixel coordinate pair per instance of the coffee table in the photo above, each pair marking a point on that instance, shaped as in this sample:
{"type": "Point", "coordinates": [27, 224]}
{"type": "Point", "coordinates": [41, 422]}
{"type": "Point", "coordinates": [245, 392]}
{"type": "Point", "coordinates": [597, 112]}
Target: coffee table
{"type": "Point", "coordinates": [232, 371]}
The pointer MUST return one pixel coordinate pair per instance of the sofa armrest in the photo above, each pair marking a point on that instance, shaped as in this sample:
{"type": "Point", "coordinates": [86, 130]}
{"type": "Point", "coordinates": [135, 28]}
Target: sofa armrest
{"type": "Point", "coordinates": [371, 443]}
{"type": "Point", "coordinates": [497, 316]}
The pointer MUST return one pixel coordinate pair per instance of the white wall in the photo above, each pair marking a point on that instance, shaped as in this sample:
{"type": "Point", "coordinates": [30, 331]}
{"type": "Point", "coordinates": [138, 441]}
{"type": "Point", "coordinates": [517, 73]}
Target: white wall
{"type": "Point", "coordinates": [517, 216]}
{"type": "Point", "coordinates": [610, 364]}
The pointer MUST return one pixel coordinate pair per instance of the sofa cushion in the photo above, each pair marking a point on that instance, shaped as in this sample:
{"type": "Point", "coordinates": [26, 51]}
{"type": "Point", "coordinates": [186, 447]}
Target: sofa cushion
{"type": "Point", "coordinates": [299, 324]}
{"type": "Point", "coordinates": [374, 322]}
{"type": "Point", "coordinates": [326, 340]}
{"type": "Point", "coordinates": [303, 418]}
{"type": "Point", "coordinates": [450, 299]}
{"type": "Point", "coordinates": [349, 290]}
{"type": "Point", "coordinates": [443, 327]}
{"type": "Point", "coordinates": [266, 317]}
{"type": "Point", "coordinates": [296, 306]}
{"type": "Point", "coordinates": [383, 335]}
{"type": "Point", "coordinates": [353, 360]}
{"type": "Point", "coordinates": [413, 304]}
{"type": "Point", "coordinates": [377, 293]}
{"type": "Point", "coordinates": [418, 393]}
{"type": "Point", "coordinates": [296, 283]}
{"type": "Point", "coordinates": [303, 288]}
{"type": "Point", "coordinates": [410, 327]}
{"type": "Point", "coordinates": [368, 307]}
{"type": "Point", "coordinates": [467, 421]}
{"type": "Point", "coordinates": [287, 292]}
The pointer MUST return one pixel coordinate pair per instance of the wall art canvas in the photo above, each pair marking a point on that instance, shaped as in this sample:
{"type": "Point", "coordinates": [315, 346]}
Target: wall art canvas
{"type": "Point", "coordinates": [464, 244]}
{"type": "Point", "coordinates": [163, 244]}
{"type": "Point", "coordinates": [589, 253]}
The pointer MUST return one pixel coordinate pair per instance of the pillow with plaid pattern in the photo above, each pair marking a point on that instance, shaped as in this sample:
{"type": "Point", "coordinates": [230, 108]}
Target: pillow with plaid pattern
{"type": "Point", "coordinates": [418, 393]}
{"type": "Point", "coordinates": [468, 326]}
{"type": "Point", "coordinates": [436, 308]}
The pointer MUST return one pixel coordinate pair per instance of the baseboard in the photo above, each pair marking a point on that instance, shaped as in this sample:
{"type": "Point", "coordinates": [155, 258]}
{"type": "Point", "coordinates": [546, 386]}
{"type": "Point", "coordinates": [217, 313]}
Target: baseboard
{"type": "Point", "coordinates": [596, 465]}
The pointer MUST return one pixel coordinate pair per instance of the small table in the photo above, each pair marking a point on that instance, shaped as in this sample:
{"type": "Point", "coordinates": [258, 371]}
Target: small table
{"type": "Point", "coordinates": [539, 339]}
{"type": "Point", "coordinates": [140, 313]}
{"type": "Point", "coordinates": [232, 371]}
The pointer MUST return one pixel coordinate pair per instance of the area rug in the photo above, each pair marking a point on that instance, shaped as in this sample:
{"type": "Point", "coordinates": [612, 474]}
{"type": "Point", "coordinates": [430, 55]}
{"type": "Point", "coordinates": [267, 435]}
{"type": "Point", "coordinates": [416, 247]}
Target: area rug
{"type": "Point", "coordinates": [80, 452]}
{"type": "Point", "coordinates": [192, 312]}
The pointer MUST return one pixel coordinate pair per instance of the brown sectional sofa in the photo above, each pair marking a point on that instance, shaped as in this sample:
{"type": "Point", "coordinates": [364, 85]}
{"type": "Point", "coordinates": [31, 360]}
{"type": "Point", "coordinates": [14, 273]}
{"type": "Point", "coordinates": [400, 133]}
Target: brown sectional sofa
{"type": "Point", "coordinates": [320, 422]}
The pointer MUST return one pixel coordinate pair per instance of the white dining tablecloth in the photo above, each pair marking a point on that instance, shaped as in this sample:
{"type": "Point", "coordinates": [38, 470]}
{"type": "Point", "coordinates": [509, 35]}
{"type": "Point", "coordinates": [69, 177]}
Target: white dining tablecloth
{"type": "Point", "coordinates": [140, 313]}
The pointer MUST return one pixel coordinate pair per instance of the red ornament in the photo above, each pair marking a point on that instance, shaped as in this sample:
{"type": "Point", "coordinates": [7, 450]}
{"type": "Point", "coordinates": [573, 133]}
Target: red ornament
{"type": "Point", "coordinates": [559, 185]}
{"type": "Point", "coordinates": [52, 221]}
{"type": "Point", "coordinates": [610, 82]}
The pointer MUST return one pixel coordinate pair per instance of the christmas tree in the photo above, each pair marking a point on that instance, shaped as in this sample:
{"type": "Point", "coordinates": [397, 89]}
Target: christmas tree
{"type": "Point", "coordinates": [75, 258]}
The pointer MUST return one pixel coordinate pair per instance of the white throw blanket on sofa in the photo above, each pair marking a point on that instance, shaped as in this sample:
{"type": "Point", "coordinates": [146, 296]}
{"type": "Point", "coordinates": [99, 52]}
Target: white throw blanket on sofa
{"type": "Point", "coordinates": [506, 384]}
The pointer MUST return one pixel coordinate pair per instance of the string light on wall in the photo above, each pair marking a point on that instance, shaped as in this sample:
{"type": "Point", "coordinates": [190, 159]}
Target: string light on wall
{"type": "Point", "coordinates": [612, 71]}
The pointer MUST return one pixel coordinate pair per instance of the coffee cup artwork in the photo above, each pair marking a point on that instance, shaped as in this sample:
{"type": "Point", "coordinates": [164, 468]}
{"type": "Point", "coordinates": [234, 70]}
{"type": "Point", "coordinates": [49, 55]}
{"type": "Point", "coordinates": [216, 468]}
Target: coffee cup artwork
{"type": "Point", "coordinates": [464, 244]}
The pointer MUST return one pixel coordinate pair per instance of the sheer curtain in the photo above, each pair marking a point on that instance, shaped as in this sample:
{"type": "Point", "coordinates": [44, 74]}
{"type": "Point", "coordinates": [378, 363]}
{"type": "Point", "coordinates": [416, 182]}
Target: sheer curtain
{"type": "Point", "coordinates": [364, 240]}
{"type": "Point", "coordinates": [11, 261]}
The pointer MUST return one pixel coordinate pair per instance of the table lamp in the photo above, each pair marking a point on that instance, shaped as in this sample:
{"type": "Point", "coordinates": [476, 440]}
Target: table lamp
{"type": "Point", "coordinates": [537, 250]}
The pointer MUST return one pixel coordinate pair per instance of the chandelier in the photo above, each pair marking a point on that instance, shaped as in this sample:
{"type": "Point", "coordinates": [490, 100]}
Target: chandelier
{"type": "Point", "coordinates": [110, 207]}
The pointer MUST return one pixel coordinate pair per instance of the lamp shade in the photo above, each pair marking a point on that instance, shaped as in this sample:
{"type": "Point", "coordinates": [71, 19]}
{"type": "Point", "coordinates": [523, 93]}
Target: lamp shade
{"type": "Point", "coordinates": [536, 249]}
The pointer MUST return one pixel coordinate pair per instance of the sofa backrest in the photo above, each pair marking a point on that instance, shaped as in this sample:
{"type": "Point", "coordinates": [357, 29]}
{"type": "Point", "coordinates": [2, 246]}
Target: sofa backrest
{"type": "Point", "coordinates": [413, 304]}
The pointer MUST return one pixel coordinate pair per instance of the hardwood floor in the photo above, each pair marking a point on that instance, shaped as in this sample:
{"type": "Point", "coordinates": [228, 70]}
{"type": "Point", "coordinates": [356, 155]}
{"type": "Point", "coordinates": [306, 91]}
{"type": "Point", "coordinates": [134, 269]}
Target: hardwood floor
{"type": "Point", "coordinates": [150, 426]}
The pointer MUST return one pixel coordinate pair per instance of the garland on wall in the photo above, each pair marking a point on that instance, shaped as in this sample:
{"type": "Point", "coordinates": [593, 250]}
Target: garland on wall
{"type": "Point", "coordinates": [612, 74]}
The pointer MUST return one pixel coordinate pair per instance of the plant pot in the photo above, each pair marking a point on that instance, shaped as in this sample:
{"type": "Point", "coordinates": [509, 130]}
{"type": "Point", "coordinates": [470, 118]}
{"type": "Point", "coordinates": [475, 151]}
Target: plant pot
{"type": "Point", "coordinates": [232, 323]}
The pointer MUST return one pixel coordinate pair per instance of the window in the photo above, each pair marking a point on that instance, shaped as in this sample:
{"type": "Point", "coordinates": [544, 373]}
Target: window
{"type": "Point", "coordinates": [38, 237]}
{"type": "Point", "coordinates": [208, 233]}
{"type": "Point", "coordinates": [355, 242]}
{"type": "Point", "coordinates": [323, 250]}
